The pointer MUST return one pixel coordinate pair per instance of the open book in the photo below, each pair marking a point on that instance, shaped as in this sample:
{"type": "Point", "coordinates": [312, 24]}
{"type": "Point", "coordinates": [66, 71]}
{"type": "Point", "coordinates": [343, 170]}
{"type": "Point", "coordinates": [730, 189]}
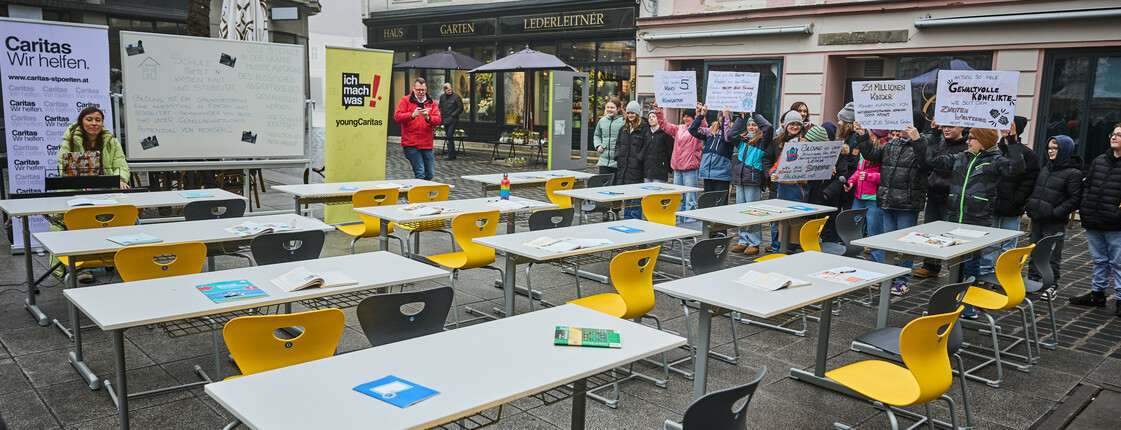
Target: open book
{"type": "Point", "coordinates": [506, 204]}
{"type": "Point", "coordinates": [770, 281]}
{"type": "Point", "coordinates": [83, 201]}
{"type": "Point", "coordinates": [133, 239]}
{"type": "Point", "coordinates": [565, 244]}
{"type": "Point", "coordinates": [250, 228]}
{"type": "Point", "coordinates": [418, 209]}
{"type": "Point", "coordinates": [301, 278]}
{"type": "Point", "coordinates": [931, 240]}
{"type": "Point", "coordinates": [770, 208]}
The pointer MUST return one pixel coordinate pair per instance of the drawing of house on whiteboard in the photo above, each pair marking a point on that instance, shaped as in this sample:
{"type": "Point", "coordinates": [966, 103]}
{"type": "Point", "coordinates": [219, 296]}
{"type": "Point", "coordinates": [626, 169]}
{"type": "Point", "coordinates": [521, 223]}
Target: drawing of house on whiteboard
{"type": "Point", "coordinates": [148, 69]}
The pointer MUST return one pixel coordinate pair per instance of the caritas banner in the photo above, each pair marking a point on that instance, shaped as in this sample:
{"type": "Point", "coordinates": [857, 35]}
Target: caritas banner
{"type": "Point", "coordinates": [49, 73]}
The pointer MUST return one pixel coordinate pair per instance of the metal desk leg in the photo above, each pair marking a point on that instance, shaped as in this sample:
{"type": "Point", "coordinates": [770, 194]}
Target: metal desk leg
{"type": "Point", "coordinates": [297, 200]}
{"type": "Point", "coordinates": [818, 376]}
{"type": "Point", "coordinates": [577, 212]}
{"type": "Point", "coordinates": [955, 271]}
{"type": "Point", "coordinates": [383, 237]}
{"type": "Point", "coordinates": [509, 282]}
{"type": "Point", "coordinates": [885, 294]}
{"type": "Point", "coordinates": [700, 355]}
{"type": "Point", "coordinates": [27, 265]}
{"type": "Point", "coordinates": [122, 378]}
{"type": "Point", "coordinates": [484, 189]}
{"type": "Point", "coordinates": [784, 233]}
{"type": "Point", "coordinates": [75, 357]}
{"type": "Point", "coordinates": [706, 229]}
{"type": "Point", "coordinates": [579, 402]}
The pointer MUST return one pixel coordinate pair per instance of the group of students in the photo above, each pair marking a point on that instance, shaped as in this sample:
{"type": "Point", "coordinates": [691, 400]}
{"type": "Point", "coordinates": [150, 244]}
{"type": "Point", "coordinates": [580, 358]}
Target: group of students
{"type": "Point", "coordinates": [977, 176]}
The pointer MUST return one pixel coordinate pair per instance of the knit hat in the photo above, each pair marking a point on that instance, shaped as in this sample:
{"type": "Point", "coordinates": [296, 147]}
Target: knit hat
{"type": "Point", "coordinates": [791, 117]}
{"type": "Point", "coordinates": [987, 137]}
{"type": "Point", "coordinates": [880, 133]}
{"type": "Point", "coordinates": [816, 134]}
{"type": "Point", "coordinates": [1021, 123]}
{"type": "Point", "coordinates": [847, 113]}
{"type": "Point", "coordinates": [830, 129]}
{"type": "Point", "coordinates": [634, 107]}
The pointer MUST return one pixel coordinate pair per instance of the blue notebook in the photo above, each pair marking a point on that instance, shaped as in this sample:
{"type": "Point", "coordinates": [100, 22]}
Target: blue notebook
{"type": "Point", "coordinates": [348, 188]}
{"type": "Point", "coordinates": [230, 290]}
{"type": "Point", "coordinates": [626, 229]}
{"type": "Point", "coordinates": [396, 391]}
{"type": "Point", "coordinates": [195, 194]}
{"type": "Point", "coordinates": [801, 208]}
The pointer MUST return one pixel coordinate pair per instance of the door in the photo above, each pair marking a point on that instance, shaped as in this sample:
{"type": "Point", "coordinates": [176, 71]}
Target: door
{"type": "Point", "coordinates": [1082, 99]}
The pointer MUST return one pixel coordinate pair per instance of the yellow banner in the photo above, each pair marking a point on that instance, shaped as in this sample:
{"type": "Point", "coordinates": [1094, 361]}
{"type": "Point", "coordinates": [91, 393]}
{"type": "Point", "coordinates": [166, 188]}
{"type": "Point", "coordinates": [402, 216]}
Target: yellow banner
{"type": "Point", "coordinates": [357, 117]}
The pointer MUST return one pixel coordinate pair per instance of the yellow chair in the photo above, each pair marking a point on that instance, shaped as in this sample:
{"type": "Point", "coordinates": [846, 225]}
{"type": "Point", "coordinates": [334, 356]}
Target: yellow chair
{"type": "Point", "coordinates": [662, 209]}
{"type": "Point", "coordinates": [632, 275]}
{"type": "Point", "coordinates": [464, 228]}
{"type": "Point", "coordinates": [86, 217]}
{"type": "Point", "coordinates": [556, 184]}
{"type": "Point", "coordinates": [140, 262]}
{"type": "Point", "coordinates": [809, 237]}
{"type": "Point", "coordinates": [424, 194]}
{"type": "Point", "coordinates": [371, 225]}
{"type": "Point", "coordinates": [255, 348]}
{"type": "Point", "coordinates": [926, 377]}
{"type": "Point", "coordinates": [1008, 268]}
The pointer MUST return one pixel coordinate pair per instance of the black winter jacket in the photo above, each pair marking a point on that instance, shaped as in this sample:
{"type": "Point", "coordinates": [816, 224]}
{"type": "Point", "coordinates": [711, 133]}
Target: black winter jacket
{"type": "Point", "coordinates": [938, 182]}
{"type": "Point", "coordinates": [1056, 193]}
{"type": "Point", "coordinates": [628, 155]}
{"type": "Point", "coordinates": [656, 155]}
{"type": "Point", "coordinates": [1101, 194]}
{"type": "Point", "coordinates": [972, 197]}
{"type": "Point", "coordinates": [902, 172]}
{"type": "Point", "coordinates": [1012, 192]}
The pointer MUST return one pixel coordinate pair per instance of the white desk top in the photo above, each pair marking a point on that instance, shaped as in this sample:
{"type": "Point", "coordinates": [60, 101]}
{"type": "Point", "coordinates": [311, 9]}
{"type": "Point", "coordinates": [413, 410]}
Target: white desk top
{"type": "Point", "coordinates": [719, 289]}
{"type": "Point", "coordinates": [625, 192]}
{"type": "Point", "coordinates": [535, 177]}
{"type": "Point", "coordinates": [474, 368]}
{"type": "Point", "coordinates": [890, 241]}
{"type": "Point", "coordinates": [652, 232]}
{"type": "Point", "coordinates": [138, 303]}
{"type": "Point", "coordinates": [730, 214]}
{"type": "Point", "coordinates": [93, 241]}
{"type": "Point", "coordinates": [57, 205]}
{"type": "Point", "coordinates": [332, 189]}
{"type": "Point", "coordinates": [391, 213]}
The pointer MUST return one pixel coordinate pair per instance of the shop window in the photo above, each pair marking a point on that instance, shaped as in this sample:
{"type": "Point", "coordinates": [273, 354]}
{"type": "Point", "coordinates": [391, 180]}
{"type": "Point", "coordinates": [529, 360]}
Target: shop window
{"type": "Point", "coordinates": [613, 81]}
{"type": "Point", "coordinates": [461, 84]}
{"type": "Point", "coordinates": [484, 97]}
{"type": "Point", "coordinates": [577, 52]}
{"type": "Point", "coordinates": [616, 52]}
{"type": "Point", "coordinates": [1082, 100]}
{"type": "Point", "coordinates": [513, 107]}
{"type": "Point", "coordinates": [922, 71]}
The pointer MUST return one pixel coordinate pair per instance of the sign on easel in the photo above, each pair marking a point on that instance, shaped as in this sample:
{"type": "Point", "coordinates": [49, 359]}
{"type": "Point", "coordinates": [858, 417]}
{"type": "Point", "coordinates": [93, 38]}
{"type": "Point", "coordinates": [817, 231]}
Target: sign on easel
{"type": "Point", "coordinates": [883, 104]}
{"type": "Point", "coordinates": [976, 98]}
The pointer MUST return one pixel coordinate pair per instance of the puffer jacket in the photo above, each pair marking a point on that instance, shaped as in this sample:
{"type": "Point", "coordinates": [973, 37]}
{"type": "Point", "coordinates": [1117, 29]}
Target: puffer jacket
{"type": "Point", "coordinates": [865, 189]}
{"type": "Point", "coordinates": [716, 156]}
{"type": "Point", "coordinates": [607, 131]}
{"type": "Point", "coordinates": [656, 153]}
{"type": "Point", "coordinates": [1101, 194]}
{"type": "Point", "coordinates": [972, 198]}
{"type": "Point", "coordinates": [902, 176]}
{"type": "Point", "coordinates": [112, 155]}
{"type": "Point", "coordinates": [628, 154]}
{"type": "Point", "coordinates": [686, 148]}
{"type": "Point", "coordinates": [1057, 192]}
{"type": "Point", "coordinates": [1012, 192]}
{"type": "Point", "coordinates": [747, 167]}
{"type": "Point", "coordinates": [938, 182]}
{"type": "Point", "coordinates": [416, 131]}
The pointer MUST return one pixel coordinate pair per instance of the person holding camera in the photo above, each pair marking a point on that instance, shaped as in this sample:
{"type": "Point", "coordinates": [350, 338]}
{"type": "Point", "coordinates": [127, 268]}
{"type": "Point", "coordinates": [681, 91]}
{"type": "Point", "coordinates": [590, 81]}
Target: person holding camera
{"type": "Point", "coordinates": [418, 114]}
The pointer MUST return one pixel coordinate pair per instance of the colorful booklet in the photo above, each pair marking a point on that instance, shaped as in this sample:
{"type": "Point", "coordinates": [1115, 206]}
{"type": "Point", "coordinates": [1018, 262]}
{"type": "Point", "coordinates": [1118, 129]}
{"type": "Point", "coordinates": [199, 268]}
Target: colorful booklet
{"type": "Point", "coordinates": [577, 336]}
{"type": "Point", "coordinates": [230, 290]}
{"type": "Point", "coordinates": [195, 194]}
{"type": "Point", "coordinates": [626, 229]}
{"type": "Point", "coordinates": [755, 212]}
{"type": "Point", "coordinates": [301, 278]}
{"type": "Point", "coordinates": [396, 391]}
{"type": "Point", "coordinates": [250, 228]}
{"type": "Point", "coordinates": [133, 239]}
{"type": "Point", "coordinates": [846, 275]}
{"type": "Point", "coordinates": [770, 281]}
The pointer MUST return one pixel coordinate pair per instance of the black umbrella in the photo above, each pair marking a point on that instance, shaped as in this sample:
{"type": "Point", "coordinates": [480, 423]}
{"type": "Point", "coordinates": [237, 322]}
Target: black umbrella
{"type": "Point", "coordinates": [524, 60]}
{"type": "Point", "coordinates": [441, 60]}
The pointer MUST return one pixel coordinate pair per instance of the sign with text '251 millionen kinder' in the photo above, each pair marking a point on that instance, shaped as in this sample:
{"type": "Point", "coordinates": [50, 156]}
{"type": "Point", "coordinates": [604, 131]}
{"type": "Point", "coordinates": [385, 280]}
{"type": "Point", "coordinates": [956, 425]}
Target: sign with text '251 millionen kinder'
{"type": "Point", "coordinates": [882, 104]}
{"type": "Point", "coordinates": [976, 98]}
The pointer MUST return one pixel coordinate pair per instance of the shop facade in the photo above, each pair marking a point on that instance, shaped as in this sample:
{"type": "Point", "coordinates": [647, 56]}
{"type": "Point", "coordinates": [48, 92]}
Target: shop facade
{"type": "Point", "coordinates": [1068, 53]}
{"type": "Point", "coordinates": [594, 36]}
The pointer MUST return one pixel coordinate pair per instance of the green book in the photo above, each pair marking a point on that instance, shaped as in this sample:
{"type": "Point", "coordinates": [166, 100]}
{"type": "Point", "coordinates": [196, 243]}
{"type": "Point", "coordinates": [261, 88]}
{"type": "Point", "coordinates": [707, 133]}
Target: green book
{"type": "Point", "coordinates": [576, 336]}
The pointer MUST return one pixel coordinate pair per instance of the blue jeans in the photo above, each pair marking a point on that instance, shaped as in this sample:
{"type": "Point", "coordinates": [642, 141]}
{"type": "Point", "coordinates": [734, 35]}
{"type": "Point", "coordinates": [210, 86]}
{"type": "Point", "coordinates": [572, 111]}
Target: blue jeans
{"type": "Point", "coordinates": [634, 207]}
{"type": "Point", "coordinates": [874, 225]}
{"type": "Point", "coordinates": [991, 252]}
{"type": "Point", "coordinates": [746, 194]}
{"type": "Point", "coordinates": [1105, 252]}
{"type": "Point", "coordinates": [792, 192]}
{"type": "Point", "coordinates": [423, 161]}
{"type": "Point", "coordinates": [687, 178]}
{"type": "Point", "coordinates": [895, 220]}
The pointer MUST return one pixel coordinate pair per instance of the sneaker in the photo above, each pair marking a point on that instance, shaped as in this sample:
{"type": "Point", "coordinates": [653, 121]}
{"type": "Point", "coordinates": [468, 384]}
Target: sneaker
{"type": "Point", "coordinates": [925, 273]}
{"type": "Point", "coordinates": [1049, 294]}
{"type": "Point", "coordinates": [751, 250]}
{"type": "Point", "coordinates": [1092, 298]}
{"type": "Point", "coordinates": [85, 277]}
{"type": "Point", "coordinates": [739, 248]}
{"type": "Point", "coordinates": [969, 312]}
{"type": "Point", "coordinates": [899, 288]}
{"type": "Point", "coordinates": [866, 251]}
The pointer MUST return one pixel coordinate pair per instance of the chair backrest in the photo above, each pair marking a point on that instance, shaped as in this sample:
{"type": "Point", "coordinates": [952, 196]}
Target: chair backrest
{"type": "Point", "coordinates": [388, 318]}
{"type": "Point", "coordinates": [923, 349]}
{"type": "Point", "coordinates": [473, 225]}
{"type": "Point", "coordinates": [947, 299]}
{"type": "Point", "coordinates": [600, 180]}
{"type": "Point", "coordinates": [634, 279]}
{"type": "Point", "coordinates": [255, 348]}
{"type": "Point", "coordinates": [84, 217]}
{"type": "Point", "coordinates": [428, 193]}
{"type": "Point", "coordinates": [557, 184]}
{"type": "Point", "coordinates": [850, 226]}
{"type": "Point", "coordinates": [709, 255]}
{"type": "Point", "coordinates": [1009, 268]}
{"type": "Point", "coordinates": [550, 218]}
{"type": "Point", "coordinates": [374, 197]}
{"type": "Point", "coordinates": [214, 209]}
{"type": "Point", "coordinates": [661, 208]}
{"type": "Point", "coordinates": [710, 199]}
{"type": "Point", "coordinates": [717, 411]}
{"type": "Point", "coordinates": [1041, 258]}
{"type": "Point", "coordinates": [139, 262]}
{"type": "Point", "coordinates": [287, 246]}
{"type": "Point", "coordinates": [810, 235]}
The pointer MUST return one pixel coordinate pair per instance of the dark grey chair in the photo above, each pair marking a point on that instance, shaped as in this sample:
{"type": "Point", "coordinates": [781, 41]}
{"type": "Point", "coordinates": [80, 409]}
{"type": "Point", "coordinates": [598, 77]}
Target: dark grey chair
{"type": "Point", "coordinates": [705, 200]}
{"type": "Point", "coordinates": [386, 318]}
{"type": "Point", "coordinates": [708, 255]}
{"type": "Point", "coordinates": [717, 410]}
{"type": "Point", "coordinates": [850, 226]}
{"type": "Point", "coordinates": [285, 247]}
{"type": "Point", "coordinates": [596, 181]}
{"type": "Point", "coordinates": [217, 209]}
{"type": "Point", "coordinates": [1041, 261]}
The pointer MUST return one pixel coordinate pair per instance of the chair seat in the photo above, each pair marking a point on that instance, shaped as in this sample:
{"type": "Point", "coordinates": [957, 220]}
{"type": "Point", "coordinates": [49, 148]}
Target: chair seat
{"type": "Point", "coordinates": [1031, 286]}
{"type": "Point", "coordinates": [360, 230]}
{"type": "Point", "coordinates": [879, 380]}
{"type": "Point", "coordinates": [989, 279]}
{"type": "Point", "coordinates": [454, 260]}
{"type": "Point", "coordinates": [608, 303]}
{"type": "Point", "coordinates": [768, 257]}
{"type": "Point", "coordinates": [833, 248]}
{"type": "Point", "coordinates": [986, 299]}
{"type": "Point", "coordinates": [885, 339]}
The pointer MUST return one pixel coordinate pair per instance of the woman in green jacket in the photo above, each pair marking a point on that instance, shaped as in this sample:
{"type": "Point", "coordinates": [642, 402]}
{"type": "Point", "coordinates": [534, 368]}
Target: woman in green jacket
{"type": "Point", "coordinates": [90, 135]}
{"type": "Point", "coordinates": [607, 131]}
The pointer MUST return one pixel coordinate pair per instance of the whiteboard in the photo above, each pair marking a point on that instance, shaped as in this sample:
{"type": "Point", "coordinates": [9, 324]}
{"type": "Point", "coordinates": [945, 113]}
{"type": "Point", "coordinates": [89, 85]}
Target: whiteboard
{"type": "Point", "coordinates": [196, 97]}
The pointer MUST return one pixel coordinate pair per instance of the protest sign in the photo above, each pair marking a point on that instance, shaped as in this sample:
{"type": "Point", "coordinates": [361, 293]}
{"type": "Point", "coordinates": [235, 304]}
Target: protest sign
{"type": "Point", "coordinates": [676, 89]}
{"type": "Point", "coordinates": [883, 104]}
{"type": "Point", "coordinates": [808, 161]}
{"type": "Point", "coordinates": [976, 98]}
{"type": "Point", "coordinates": [735, 91]}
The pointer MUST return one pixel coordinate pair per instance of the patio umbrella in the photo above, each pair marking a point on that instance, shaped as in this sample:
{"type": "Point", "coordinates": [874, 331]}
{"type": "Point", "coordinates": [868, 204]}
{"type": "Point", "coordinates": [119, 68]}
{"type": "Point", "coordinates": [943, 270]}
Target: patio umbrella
{"type": "Point", "coordinates": [244, 20]}
{"type": "Point", "coordinates": [525, 60]}
{"type": "Point", "coordinates": [441, 60]}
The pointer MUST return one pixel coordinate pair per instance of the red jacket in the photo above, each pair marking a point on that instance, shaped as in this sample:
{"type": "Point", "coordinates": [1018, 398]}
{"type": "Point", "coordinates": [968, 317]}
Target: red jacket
{"type": "Point", "coordinates": [416, 131]}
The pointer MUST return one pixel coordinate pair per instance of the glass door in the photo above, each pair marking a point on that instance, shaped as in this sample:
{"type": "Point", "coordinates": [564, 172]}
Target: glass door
{"type": "Point", "coordinates": [1082, 99]}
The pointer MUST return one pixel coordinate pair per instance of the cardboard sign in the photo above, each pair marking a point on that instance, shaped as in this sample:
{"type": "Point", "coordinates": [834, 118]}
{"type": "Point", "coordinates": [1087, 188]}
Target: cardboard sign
{"type": "Point", "coordinates": [676, 89]}
{"type": "Point", "coordinates": [883, 104]}
{"type": "Point", "coordinates": [976, 98]}
{"type": "Point", "coordinates": [808, 161]}
{"type": "Point", "coordinates": [735, 91]}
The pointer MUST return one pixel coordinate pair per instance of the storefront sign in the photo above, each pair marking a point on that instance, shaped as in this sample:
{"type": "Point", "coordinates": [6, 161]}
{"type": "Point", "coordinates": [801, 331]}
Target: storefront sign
{"type": "Point", "coordinates": [606, 19]}
{"type": "Point", "coordinates": [394, 33]}
{"type": "Point", "coordinates": [676, 89]}
{"type": "Point", "coordinates": [734, 91]}
{"type": "Point", "coordinates": [808, 161]}
{"type": "Point", "coordinates": [883, 104]}
{"type": "Point", "coordinates": [976, 98]}
{"type": "Point", "coordinates": [479, 27]}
